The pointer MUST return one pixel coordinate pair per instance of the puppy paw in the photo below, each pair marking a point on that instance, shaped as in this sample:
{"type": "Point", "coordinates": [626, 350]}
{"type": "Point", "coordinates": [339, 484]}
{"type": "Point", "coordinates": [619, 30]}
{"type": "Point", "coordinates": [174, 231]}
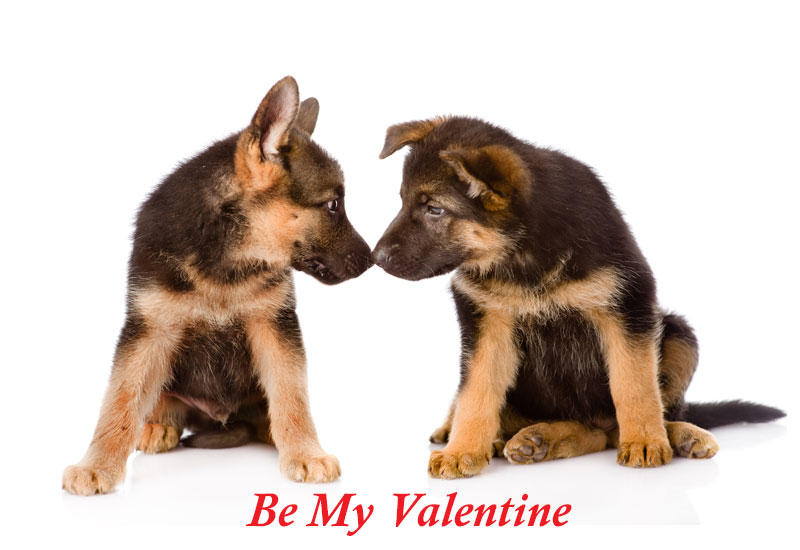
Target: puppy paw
{"type": "Point", "coordinates": [529, 445]}
{"type": "Point", "coordinates": [157, 438]}
{"type": "Point", "coordinates": [451, 465]}
{"type": "Point", "coordinates": [87, 480]}
{"type": "Point", "coordinates": [690, 441]}
{"type": "Point", "coordinates": [315, 469]}
{"type": "Point", "coordinates": [497, 447]}
{"type": "Point", "coordinates": [440, 435]}
{"type": "Point", "coordinates": [644, 453]}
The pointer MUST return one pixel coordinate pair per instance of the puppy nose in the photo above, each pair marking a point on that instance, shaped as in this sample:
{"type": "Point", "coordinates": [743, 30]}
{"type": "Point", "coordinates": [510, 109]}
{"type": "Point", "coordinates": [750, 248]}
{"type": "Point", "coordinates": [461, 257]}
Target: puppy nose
{"type": "Point", "coordinates": [382, 255]}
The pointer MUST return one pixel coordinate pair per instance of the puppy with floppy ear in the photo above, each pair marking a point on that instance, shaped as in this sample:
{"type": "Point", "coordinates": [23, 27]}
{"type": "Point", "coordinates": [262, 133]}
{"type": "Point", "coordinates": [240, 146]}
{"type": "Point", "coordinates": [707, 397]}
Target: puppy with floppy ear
{"type": "Point", "coordinates": [564, 347]}
{"type": "Point", "coordinates": [211, 340]}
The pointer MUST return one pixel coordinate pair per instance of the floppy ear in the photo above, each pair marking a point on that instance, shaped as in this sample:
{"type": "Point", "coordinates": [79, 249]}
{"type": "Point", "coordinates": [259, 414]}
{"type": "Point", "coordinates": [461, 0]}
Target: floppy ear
{"type": "Point", "coordinates": [307, 115]}
{"type": "Point", "coordinates": [491, 173]}
{"type": "Point", "coordinates": [400, 135]}
{"type": "Point", "coordinates": [275, 116]}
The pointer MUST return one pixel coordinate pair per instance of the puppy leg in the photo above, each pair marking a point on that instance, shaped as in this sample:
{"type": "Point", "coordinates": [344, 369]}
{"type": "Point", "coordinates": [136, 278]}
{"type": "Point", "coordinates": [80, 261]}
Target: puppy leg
{"type": "Point", "coordinates": [632, 371]}
{"type": "Point", "coordinates": [551, 440]}
{"type": "Point", "coordinates": [280, 364]}
{"type": "Point", "coordinates": [255, 414]}
{"type": "Point", "coordinates": [141, 367]}
{"type": "Point", "coordinates": [690, 441]}
{"type": "Point", "coordinates": [476, 420]}
{"type": "Point", "coordinates": [164, 426]}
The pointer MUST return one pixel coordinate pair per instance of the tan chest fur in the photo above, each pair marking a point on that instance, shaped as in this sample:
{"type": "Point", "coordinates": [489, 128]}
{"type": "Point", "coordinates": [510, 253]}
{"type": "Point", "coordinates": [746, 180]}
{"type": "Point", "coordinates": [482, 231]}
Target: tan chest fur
{"type": "Point", "coordinates": [213, 303]}
{"type": "Point", "coordinates": [596, 292]}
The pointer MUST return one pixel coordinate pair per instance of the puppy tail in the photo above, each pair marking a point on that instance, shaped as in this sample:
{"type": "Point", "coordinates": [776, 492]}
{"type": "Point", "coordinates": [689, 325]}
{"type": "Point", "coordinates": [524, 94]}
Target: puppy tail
{"type": "Point", "coordinates": [233, 435]}
{"type": "Point", "coordinates": [721, 413]}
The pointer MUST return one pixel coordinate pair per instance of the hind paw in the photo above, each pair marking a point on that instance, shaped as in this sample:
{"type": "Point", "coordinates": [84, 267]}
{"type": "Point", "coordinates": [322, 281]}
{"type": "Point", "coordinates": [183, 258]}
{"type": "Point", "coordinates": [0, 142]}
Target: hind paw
{"type": "Point", "coordinates": [690, 441]}
{"type": "Point", "coordinates": [157, 438]}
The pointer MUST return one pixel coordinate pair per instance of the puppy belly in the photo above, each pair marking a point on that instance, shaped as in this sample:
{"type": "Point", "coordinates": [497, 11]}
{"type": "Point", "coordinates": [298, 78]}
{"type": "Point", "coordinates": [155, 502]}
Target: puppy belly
{"type": "Point", "coordinates": [562, 374]}
{"type": "Point", "coordinates": [212, 370]}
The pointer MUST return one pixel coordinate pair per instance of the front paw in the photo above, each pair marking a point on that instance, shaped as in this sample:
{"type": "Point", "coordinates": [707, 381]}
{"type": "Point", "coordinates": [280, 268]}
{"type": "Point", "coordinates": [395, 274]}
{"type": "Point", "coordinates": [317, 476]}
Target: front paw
{"type": "Point", "coordinates": [645, 453]}
{"type": "Point", "coordinates": [314, 469]}
{"type": "Point", "coordinates": [451, 465]}
{"type": "Point", "coordinates": [88, 480]}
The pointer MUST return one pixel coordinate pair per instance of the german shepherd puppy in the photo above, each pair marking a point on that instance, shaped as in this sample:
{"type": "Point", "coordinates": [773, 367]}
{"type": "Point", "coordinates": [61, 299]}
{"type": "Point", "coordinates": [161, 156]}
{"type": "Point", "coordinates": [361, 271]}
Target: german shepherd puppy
{"type": "Point", "coordinates": [565, 350]}
{"type": "Point", "coordinates": [211, 337]}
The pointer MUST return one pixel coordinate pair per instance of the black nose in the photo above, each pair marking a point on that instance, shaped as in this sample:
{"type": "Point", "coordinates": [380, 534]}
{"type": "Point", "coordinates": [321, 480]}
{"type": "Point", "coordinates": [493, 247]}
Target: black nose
{"type": "Point", "coordinates": [382, 255]}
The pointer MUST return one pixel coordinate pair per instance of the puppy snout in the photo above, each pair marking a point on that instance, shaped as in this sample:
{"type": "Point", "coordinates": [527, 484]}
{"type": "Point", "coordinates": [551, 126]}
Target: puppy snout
{"type": "Point", "coordinates": [382, 255]}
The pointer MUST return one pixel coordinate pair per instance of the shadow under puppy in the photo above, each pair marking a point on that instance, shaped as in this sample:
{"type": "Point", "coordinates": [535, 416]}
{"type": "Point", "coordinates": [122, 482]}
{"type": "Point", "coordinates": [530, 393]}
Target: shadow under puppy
{"type": "Point", "coordinates": [211, 337]}
{"type": "Point", "coordinates": [565, 350]}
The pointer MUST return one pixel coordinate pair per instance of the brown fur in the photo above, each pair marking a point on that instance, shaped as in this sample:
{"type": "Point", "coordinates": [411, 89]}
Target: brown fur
{"type": "Point", "coordinates": [535, 239]}
{"type": "Point", "coordinates": [271, 202]}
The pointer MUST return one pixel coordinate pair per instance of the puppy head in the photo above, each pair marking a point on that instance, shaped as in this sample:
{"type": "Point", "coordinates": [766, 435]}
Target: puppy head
{"type": "Point", "coordinates": [461, 181]}
{"type": "Point", "coordinates": [293, 192]}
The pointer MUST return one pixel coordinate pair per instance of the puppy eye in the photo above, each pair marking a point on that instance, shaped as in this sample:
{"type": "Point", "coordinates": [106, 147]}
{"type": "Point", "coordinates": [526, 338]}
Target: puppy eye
{"type": "Point", "coordinates": [333, 205]}
{"type": "Point", "coordinates": [435, 210]}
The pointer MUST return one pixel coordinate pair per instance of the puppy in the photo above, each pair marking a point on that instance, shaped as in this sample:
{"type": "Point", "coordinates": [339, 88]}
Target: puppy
{"type": "Point", "coordinates": [211, 337]}
{"type": "Point", "coordinates": [565, 350]}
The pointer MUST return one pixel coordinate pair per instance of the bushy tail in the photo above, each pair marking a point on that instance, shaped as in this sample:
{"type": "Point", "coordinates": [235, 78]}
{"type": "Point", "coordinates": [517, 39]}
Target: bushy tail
{"type": "Point", "coordinates": [721, 413]}
{"type": "Point", "coordinates": [234, 435]}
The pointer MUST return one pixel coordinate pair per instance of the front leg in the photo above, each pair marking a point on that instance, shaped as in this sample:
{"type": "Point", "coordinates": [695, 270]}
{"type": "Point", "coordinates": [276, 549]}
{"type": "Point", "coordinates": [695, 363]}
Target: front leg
{"type": "Point", "coordinates": [280, 364]}
{"type": "Point", "coordinates": [632, 362]}
{"type": "Point", "coordinates": [476, 421]}
{"type": "Point", "coordinates": [141, 367]}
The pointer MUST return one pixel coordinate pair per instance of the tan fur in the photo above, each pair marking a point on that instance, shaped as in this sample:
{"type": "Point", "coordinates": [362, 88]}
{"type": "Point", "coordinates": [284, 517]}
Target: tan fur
{"type": "Point", "coordinates": [251, 174]}
{"type": "Point", "coordinates": [272, 230]}
{"type": "Point", "coordinates": [691, 441]}
{"type": "Point", "coordinates": [400, 135]}
{"type": "Point", "coordinates": [210, 302]}
{"type": "Point", "coordinates": [596, 291]}
{"type": "Point", "coordinates": [486, 246]}
{"type": "Point", "coordinates": [495, 195]}
{"type": "Point", "coordinates": [138, 375]}
{"type": "Point", "coordinates": [476, 420]}
{"type": "Point", "coordinates": [677, 365]}
{"type": "Point", "coordinates": [164, 425]}
{"type": "Point", "coordinates": [551, 440]}
{"type": "Point", "coordinates": [281, 370]}
{"type": "Point", "coordinates": [632, 372]}
{"type": "Point", "coordinates": [157, 438]}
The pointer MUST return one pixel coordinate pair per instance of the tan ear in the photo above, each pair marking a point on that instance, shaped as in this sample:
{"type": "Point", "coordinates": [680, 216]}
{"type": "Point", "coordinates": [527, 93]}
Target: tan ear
{"type": "Point", "coordinates": [275, 116]}
{"type": "Point", "coordinates": [492, 173]}
{"type": "Point", "coordinates": [400, 135]}
{"type": "Point", "coordinates": [307, 115]}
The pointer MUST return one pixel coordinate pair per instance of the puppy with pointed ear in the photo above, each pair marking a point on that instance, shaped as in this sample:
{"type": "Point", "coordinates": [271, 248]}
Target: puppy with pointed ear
{"type": "Point", "coordinates": [211, 292]}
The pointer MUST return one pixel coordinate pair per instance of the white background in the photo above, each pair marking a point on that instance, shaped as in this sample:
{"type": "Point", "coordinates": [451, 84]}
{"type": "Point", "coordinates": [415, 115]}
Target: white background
{"type": "Point", "coordinates": [688, 111]}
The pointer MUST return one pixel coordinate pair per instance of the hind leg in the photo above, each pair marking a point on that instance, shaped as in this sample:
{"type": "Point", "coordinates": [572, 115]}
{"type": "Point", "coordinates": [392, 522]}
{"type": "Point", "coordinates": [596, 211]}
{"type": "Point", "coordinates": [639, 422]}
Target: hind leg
{"type": "Point", "coordinates": [256, 415]}
{"type": "Point", "coordinates": [689, 441]}
{"type": "Point", "coordinates": [551, 440]}
{"type": "Point", "coordinates": [164, 426]}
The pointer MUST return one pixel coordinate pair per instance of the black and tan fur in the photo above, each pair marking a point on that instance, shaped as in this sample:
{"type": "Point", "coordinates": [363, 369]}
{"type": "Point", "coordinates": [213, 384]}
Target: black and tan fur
{"type": "Point", "coordinates": [565, 350]}
{"type": "Point", "coordinates": [211, 340]}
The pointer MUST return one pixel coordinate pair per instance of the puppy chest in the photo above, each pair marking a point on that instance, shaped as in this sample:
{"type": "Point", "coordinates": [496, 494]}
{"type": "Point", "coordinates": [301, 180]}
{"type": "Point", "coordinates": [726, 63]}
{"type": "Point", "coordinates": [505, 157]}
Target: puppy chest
{"type": "Point", "coordinates": [562, 372]}
{"type": "Point", "coordinates": [212, 368]}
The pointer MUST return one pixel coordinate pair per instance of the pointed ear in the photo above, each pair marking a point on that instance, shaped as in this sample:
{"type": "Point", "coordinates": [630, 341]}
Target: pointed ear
{"type": "Point", "coordinates": [491, 173]}
{"type": "Point", "coordinates": [400, 135]}
{"type": "Point", "coordinates": [307, 115]}
{"type": "Point", "coordinates": [275, 116]}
